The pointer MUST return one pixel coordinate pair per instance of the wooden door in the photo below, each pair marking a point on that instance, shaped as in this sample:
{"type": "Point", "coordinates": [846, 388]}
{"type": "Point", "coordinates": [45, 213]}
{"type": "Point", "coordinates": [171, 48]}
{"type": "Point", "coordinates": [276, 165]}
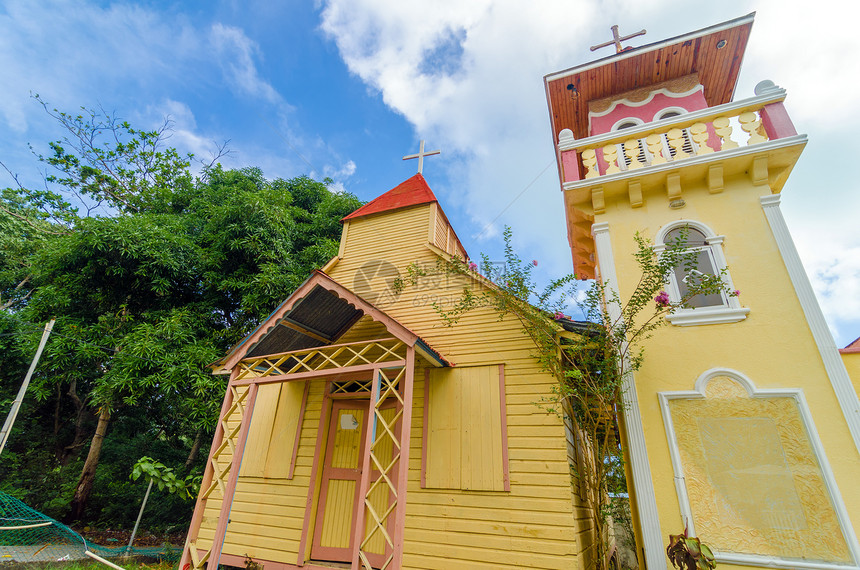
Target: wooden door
{"type": "Point", "coordinates": [334, 532]}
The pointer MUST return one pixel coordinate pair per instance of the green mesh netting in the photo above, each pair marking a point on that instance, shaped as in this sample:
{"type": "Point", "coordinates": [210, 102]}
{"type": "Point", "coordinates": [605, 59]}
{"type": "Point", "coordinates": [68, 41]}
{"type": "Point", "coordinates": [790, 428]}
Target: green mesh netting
{"type": "Point", "coordinates": [26, 535]}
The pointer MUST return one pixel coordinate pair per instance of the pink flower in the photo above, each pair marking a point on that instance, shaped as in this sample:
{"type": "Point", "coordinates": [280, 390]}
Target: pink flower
{"type": "Point", "coordinates": [558, 316]}
{"type": "Point", "coordinates": [534, 262]}
{"type": "Point", "coordinates": [473, 266]}
{"type": "Point", "coordinates": [662, 299]}
{"type": "Point", "coordinates": [736, 293]}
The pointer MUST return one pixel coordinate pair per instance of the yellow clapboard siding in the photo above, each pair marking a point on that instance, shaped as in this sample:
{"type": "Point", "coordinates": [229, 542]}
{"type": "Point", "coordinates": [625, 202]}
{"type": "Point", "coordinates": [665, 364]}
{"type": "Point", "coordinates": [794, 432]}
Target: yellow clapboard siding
{"type": "Point", "coordinates": [464, 432]}
{"type": "Point", "coordinates": [503, 558]}
{"type": "Point", "coordinates": [533, 525]}
{"type": "Point", "coordinates": [271, 520]}
{"type": "Point", "coordinates": [499, 516]}
{"type": "Point", "coordinates": [512, 503]}
{"type": "Point", "coordinates": [495, 542]}
{"type": "Point", "coordinates": [258, 553]}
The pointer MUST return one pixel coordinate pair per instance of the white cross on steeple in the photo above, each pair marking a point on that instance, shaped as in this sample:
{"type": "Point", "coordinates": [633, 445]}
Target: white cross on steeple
{"type": "Point", "coordinates": [420, 156]}
{"type": "Point", "coordinates": [617, 39]}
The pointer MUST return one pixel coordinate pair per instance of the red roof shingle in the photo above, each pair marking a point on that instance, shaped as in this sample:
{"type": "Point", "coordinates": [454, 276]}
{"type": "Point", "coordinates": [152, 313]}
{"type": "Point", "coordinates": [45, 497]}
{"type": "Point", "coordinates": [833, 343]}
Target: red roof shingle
{"type": "Point", "coordinates": [411, 192]}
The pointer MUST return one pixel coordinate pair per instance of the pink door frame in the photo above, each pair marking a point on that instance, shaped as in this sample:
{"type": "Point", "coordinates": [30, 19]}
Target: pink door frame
{"type": "Point", "coordinates": [319, 552]}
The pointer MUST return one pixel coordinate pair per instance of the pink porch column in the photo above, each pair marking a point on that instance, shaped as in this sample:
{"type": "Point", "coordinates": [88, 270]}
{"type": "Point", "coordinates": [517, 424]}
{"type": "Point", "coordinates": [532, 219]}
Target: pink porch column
{"type": "Point", "coordinates": [230, 490]}
{"type": "Point", "coordinates": [776, 121]}
{"type": "Point", "coordinates": [364, 482]}
{"type": "Point", "coordinates": [200, 505]}
{"type": "Point", "coordinates": [403, 468]}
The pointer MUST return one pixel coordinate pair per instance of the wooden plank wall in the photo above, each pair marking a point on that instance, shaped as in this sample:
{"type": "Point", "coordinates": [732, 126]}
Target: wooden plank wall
{"type": "Point", "coordinates": [534, 525]}
{"type": "Point", "coordinates": [531, 526]}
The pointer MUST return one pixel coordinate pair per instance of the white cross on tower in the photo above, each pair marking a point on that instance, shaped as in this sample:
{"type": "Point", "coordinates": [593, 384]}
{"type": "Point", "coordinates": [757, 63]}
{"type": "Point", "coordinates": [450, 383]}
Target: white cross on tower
{"type": "Point", "coordinates": [617, 39]}
{"type": "Point", "coordinates": [420, 156]}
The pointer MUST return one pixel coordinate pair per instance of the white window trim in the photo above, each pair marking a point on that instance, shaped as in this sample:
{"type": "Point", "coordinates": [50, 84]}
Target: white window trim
{"type": "Point", "coordinates": [660, 114]}
{"type": "Point", "coordinates": [635, 120]}
{"type": "Point", "coordinates": [622, 157]}
{"type": "Point", "coordinates": [731, 311]}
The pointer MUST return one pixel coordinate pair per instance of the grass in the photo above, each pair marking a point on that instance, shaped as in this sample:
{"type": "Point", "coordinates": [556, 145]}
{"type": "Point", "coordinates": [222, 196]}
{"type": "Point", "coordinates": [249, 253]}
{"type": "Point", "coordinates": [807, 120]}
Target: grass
{"type": "Point", "coordinates": [129, 564]}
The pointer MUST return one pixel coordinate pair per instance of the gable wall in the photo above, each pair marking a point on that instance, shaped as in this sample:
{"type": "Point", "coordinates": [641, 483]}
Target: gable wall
{"type": "Point", "coordinates": [535, 525]}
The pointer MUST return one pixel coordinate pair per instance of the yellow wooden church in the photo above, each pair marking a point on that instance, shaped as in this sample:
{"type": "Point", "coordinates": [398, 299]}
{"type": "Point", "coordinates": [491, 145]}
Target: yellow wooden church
{"type": "Point", "coordinates": [360, 432]}
{"type": "Point", "coordinates": [367, 434]}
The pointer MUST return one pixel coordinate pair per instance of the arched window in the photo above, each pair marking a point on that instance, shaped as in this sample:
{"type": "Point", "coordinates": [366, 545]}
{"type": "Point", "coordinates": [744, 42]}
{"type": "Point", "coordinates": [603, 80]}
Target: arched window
{"type": "Point", "coordinates": [688, 145]}
{"type": "Point", "coordinates": [706, 249]}
{"type": "Point", "coordinates": [642, 155]}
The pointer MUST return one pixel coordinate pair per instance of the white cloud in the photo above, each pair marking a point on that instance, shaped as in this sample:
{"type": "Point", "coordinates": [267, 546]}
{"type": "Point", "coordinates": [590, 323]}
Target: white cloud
{"type": "Point", "coordinates": [800, 48]}
{"type": "Point", "coordinates": [236, 53]}
{"type": "Point", "coordinates": [184, 134]}
{"type": "Point", "coordinates": [344, 171]}
{"type": "Point", "coordinates": [62, 49]}
{"type": "Point", "coordinates": [468, 76]}
{"type": "Point", "coordinates": [830, 250]}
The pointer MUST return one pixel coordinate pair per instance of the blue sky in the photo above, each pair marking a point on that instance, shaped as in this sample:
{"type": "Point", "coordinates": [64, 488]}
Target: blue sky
{"type": "Point", "coordinates": [345, 88]}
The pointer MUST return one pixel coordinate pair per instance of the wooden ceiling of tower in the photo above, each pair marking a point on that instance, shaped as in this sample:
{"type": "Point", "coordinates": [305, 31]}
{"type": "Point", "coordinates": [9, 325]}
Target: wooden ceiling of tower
{"type": "Point", "coordinates": [718, 70]}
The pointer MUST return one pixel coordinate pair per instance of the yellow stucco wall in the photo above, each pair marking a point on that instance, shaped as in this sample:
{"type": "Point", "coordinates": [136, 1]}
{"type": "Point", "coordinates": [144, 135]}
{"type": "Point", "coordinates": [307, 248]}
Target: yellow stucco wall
{"type": "Point", "coordinates": [773, 346]}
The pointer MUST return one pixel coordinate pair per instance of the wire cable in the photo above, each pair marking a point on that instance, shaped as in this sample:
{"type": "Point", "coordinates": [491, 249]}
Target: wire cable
{"type": "Point", "coordinates": [517, 197]}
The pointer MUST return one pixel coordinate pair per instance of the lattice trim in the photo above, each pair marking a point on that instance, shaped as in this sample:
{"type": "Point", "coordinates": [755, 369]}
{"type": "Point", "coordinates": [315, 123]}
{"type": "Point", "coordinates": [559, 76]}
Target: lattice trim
{"type": "Point", "coordinates": [352, 386]}
{"type": "Point", "coordinates": [323, 358]}
{"type": "Point", "coordinates": [220, 473]}
{"type": "Point", "coordinates": [385, 429]}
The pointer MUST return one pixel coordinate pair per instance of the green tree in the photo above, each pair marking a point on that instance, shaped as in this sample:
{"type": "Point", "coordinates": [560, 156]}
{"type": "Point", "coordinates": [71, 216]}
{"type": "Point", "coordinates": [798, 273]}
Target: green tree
{"type": "Point", "coordinates": [151, 277]}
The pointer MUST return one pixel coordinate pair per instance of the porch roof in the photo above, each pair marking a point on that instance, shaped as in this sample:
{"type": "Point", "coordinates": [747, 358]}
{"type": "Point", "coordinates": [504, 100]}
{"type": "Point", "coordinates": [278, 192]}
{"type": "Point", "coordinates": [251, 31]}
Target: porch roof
{"type": "Point", "coordinates": [316, 314]}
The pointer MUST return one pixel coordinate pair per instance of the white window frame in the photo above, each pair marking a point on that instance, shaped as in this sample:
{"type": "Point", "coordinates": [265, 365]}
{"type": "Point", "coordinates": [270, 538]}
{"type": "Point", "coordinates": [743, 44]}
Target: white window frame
{"type": "Point", "coordinates": [730, 311]}
{"type": "Point", "coordinates": [667, 148]}
{"type": "Point", "coordinates": [643, 148]}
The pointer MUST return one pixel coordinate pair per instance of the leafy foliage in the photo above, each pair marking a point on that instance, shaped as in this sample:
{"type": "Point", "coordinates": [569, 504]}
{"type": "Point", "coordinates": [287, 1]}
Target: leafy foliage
{"type": "Point", "coordinates": [164, 477]}
{"type": "Point", "coordinates": [689, 553]}
{"type": "Point", "coordinates": [151, 275]}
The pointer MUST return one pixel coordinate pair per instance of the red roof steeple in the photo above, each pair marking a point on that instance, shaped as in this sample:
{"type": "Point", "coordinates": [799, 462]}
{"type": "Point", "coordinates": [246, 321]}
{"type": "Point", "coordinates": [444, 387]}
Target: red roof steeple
{"type": "Point", "coordinates": [411, 192]}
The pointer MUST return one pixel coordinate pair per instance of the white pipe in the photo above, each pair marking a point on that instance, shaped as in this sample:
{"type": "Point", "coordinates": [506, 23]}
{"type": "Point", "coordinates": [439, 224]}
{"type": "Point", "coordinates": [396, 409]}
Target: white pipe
{"type": "Point", "coordinates": [102, 560]}
{"type": "Point", "coordinates": [139, 515]}
{"type": "Point", "coordinates": [16, 405]}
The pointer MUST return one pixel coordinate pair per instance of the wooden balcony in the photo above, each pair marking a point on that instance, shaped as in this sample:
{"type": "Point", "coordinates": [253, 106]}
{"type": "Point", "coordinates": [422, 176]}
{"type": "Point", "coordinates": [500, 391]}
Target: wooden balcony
{"type": "Point", "coordinates": [737, 128]}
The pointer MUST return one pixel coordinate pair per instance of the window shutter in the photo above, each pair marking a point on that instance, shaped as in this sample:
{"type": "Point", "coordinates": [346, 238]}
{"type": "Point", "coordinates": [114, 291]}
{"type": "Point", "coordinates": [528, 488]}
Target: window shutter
{"type": "Point", "coordinates": [464, 415]}
{"type": "Point", "coordinates": [272, 434]}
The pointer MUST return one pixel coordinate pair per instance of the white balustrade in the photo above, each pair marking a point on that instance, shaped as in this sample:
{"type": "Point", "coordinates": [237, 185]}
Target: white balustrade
{"type": "Point", "coordinates": [677, 141]}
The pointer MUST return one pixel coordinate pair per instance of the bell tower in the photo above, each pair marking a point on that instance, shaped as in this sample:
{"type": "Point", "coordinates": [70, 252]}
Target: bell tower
{"type": "Point", "coordinates": [742, 423]}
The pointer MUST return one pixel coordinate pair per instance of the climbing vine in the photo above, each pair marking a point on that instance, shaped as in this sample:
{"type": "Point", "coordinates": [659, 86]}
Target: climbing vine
{"type": "Point", "coordinates": [591, 359]}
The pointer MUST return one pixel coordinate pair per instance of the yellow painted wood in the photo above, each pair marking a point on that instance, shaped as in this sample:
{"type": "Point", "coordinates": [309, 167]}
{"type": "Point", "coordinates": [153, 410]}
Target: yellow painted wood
{"type": "Point", "coordinates": [534, 525]}
{"type": "Point", "coordinates": [443, 445]}
{"type": "Point", "coordinates": [380, 500]}
{"type": "Point", "coordinates": [271, 437]}
{"type": "Point", "coordinates": [347, 442]}
{"type": "Point", "coordinates": [280, 452]}
{"type": "Point", "coordinates": [260, 432]}
{"type": "Point", "coordinates": [338, 516]}
{"type": "Point", "coordinates": [465, 432]}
